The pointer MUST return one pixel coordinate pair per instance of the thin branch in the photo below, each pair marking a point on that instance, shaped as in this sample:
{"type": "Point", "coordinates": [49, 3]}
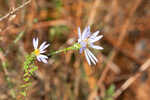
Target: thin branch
{"type": "Point", "coordinates": [15, 10]}
{"type": "Point", "coordinates": [132, 79]}
{"type": "Point", "coordinates": [93, 12]}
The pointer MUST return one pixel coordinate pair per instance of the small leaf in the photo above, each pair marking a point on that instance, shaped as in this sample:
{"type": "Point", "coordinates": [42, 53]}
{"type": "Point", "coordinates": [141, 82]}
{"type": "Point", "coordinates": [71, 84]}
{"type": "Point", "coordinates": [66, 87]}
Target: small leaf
{"type": "Point", "coordinates": [26, 79]}
{"type": "Point", "coordinates": [23, 93]}
{"type": "Point", "coordinates": [110, 90]}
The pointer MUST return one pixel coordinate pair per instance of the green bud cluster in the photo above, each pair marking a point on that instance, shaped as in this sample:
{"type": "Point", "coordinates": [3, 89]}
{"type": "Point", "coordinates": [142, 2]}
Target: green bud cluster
{"type": "Point", "coordinates": [29, 69]}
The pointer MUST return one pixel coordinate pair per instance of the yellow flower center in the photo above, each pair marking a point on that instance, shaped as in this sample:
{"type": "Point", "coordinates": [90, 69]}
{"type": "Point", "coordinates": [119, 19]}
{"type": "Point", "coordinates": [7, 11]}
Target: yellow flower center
{"type": "Point", "coordinates": [86, 40]}
{"type": "Point", "coordinates": [36, 52]}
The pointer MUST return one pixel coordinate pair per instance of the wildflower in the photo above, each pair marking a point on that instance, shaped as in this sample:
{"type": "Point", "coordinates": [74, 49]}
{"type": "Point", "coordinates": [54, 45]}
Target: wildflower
{"type": "Point", "coordinates": [87, 40]}
{"type": "Point", "coordinates": [38, 51]}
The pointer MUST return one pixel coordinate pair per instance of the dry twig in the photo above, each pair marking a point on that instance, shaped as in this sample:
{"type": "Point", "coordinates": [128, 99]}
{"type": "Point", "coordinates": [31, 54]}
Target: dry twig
{"type": "Point", "coordinates": [132, 79]}
{"type": "Point", "coordinates": [93, 12]}
{"type": "Point", "coordinates": [15, 10]}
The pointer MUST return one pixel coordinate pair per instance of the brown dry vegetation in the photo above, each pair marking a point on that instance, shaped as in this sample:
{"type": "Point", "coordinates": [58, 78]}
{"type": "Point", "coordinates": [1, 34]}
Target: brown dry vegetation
{"type": "Point", "coordinates": [125, 25]}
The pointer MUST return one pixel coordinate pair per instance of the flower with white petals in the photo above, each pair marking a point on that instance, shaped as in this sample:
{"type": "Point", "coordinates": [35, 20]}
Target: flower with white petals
{"type": "Point", "coordinates": [38, 51]}
{"type": "Point", "coordinates": [87, 40]}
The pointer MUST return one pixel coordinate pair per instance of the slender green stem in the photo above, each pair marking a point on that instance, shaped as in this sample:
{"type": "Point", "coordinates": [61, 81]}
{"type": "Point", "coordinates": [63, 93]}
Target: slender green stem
{"type": "Point", "coordinates": [76, 46]}
{"type": "Point", "coordinates": [59, 51]}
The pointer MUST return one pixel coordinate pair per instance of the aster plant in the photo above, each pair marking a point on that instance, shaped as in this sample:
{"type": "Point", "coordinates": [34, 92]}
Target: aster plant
{"type": "Point", "coordinates": [39, 51]}
{"type": "Point", "coordinates": [29, 66]}
{"type": "Point", "coordinates": [86, 41]}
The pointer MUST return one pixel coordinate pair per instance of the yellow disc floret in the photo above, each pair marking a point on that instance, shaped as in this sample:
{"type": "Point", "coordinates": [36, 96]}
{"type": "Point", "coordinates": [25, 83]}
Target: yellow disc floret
{"type": "Point", "coordinates": [36, 52]}
{"type": "Point", "coordinates": [86, 41]}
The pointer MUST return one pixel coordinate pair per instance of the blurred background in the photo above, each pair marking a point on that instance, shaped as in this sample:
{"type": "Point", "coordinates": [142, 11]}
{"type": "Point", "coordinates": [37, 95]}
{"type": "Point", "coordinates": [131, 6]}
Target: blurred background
{"type": "Point", "coordinates": [125, 25]}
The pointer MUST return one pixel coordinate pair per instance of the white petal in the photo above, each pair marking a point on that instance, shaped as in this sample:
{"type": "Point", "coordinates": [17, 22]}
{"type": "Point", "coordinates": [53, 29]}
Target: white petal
{"type": "Point", "coordinates": [87, 58]}
{"type": "Point", "coordinates": [36, 43]}
{"type": "Point", "coordinates": [38, 58]}
{"type": "Point", "coordinates": [43, 51]}
{"type": "Point", "coordinates": [44, 60]}
{"type": "Point", "coordinates": [92, 55]}
{"type": "Point", "coordinates": [97, 47]}
{"type": "Point", "coordinates": [94, 34]}
{"type": "Point", "coordinates": [86, 32]}
{"type": "Point", "coordinates": [79, 33]}
{"type": "Point", "coordinates": [91, 58]}
{"type": "Point", "coordinates": [79, 40]}
{"type": "Point", "coordinates": [42, 45]}
{"type": "Point", "coordinates": [43, 56]}
{"type": "Point", "coordinates": [96, 39]}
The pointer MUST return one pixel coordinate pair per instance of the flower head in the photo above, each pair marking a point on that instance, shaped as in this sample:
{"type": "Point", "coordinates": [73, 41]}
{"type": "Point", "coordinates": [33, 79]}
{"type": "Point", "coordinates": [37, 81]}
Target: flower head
{"type": "Point", "coordinates": [86, 40]}
{"type": "Point", "coordinates": [38, 51]}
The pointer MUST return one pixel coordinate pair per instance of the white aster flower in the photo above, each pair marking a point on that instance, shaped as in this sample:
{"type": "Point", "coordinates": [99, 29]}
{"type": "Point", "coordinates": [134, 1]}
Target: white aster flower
{"type": "Point", "coordinates": [86, 40]}
{"type": "Point", "coordinates": [38, 51]}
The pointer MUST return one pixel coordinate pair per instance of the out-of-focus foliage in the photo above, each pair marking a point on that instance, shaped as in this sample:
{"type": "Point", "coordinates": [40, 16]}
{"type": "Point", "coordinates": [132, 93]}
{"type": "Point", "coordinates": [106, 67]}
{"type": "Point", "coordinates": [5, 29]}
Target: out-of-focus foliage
{"type": "Point", "coordinates": [109, 93]}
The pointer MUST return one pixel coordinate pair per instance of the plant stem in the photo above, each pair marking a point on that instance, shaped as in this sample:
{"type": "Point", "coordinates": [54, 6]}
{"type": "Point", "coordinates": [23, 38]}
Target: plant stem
{"type": "Point", "coordinates": [76, 46]}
